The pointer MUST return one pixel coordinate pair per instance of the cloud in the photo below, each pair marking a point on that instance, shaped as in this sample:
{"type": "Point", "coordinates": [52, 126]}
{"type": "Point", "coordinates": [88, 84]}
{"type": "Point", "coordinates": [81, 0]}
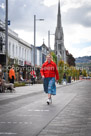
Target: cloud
{"type": "Point", "coordinates": [50, 3]}
{"type": "Point", "coordinates": [81, 52]}
{"type": "Point", "coordinates": [77, 12]}
{"type": "Point", "coordinates": [76, 21]}
{"type": "Point", "coordinates": [2, 10]}
{"type": "Point", "coordinates": [81, 15]}
{"type": "Point", "coordinates": [22, 13]}
{"type": "Point", "coordinates": [2, 5]}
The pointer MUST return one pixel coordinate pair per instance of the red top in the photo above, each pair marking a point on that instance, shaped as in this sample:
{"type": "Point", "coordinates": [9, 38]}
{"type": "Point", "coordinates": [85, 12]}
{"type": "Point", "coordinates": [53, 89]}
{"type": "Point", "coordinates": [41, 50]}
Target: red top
{"type": "Point", "coordinates": [49, 70]}
{"type": "Point", "coordinates": [33, 73]}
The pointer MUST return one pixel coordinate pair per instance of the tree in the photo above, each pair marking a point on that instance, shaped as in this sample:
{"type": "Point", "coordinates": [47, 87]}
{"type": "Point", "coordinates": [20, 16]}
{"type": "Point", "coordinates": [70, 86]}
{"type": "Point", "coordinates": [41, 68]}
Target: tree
{"type": "Point", "coordinates": [54, 57]}
{"type": "Point", "coordinates": [61, 70]}
{"type": "Point", "coordinates": [70, 60]}
{"type": "Point", "coordinates": [84, 73]}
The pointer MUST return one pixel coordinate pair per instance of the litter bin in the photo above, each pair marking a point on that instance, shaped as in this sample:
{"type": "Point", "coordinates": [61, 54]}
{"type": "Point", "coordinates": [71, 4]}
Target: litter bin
{"type": "Point", "coordinates": [69, 79]}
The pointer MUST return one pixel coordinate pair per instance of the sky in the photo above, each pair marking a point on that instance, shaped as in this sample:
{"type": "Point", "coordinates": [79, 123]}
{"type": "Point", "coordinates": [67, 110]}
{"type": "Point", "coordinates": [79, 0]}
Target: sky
{"type": "Point", "coordinates": [75, 18]}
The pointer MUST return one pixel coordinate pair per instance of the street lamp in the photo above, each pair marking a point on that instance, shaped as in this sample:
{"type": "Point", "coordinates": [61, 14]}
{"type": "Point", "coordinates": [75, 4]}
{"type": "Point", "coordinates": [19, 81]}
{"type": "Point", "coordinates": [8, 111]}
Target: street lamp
{"type": "Point", "coordinates": [35, 34]}
{"type": "Point", "coordinates": [6, 38]}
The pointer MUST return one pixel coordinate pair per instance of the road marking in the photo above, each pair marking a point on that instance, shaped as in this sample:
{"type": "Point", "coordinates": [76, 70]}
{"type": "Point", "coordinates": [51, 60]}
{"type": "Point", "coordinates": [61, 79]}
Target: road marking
{"type": "Point", "coordinates": [28, 115]}
{"type": "Point", "coordinates": [7, 133]}
{"type": "Point", "coordinates": [25, 122]}
{"type": "Point", "coordinates": [20, 122]}
{"type": "Point", "coordinates": [16, 123]}
{"type": "Point", "coordinates": [2, 122]}
{"type": "Point", "coordinates": [39, 110]}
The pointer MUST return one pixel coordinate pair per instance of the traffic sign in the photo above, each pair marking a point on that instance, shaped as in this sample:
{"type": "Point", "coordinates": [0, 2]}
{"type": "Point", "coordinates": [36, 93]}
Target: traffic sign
{"type": "Point", "coordinates": [8, 22]}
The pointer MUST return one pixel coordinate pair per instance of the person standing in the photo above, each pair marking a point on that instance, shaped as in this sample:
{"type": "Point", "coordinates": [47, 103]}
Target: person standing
{"type": "Point", "coordinates": [1, 71]}
{"type": "Point", "coordinates": [12, 74]}
{"type": "Point", "coordinates": [49, 72]}
{"type": "Point", "coordinates": [64, 78]}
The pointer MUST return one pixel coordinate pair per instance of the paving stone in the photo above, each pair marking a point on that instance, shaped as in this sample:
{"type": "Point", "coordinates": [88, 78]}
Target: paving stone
{"type": "Point", "coordinates": [75, 119]}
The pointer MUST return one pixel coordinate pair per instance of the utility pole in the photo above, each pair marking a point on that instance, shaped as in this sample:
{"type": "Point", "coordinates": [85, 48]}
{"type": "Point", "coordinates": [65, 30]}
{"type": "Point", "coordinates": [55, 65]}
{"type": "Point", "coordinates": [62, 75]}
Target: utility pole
{"type": "Point", "coordinates": [35, 35]}
{"type": "Point", "coordinates": [6, 39]}
{"type": "Point", "coordinates": [49, 40]}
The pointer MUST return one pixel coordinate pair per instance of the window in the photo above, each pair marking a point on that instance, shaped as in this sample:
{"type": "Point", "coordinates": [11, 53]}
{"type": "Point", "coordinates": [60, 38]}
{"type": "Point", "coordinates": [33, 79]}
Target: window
{"type": "Point", "coordinates": [16, 51]}
{"type": "Point", "coordinates": [13, 50]}
{"type": "Point", "coordinates": [9, 49]}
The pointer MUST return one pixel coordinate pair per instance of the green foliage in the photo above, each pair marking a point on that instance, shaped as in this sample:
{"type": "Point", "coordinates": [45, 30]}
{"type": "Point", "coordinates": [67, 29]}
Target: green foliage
{"type": "Point", "coordinates": [15, 63]}
{"type": "Point", "coordinates": [86, 66]}
{"type": "Point", "coordinates": [54, 57]}
{"type": "Point", "coordinates": [84, 73]}
{"type": "Point", "coordinates": [68, 70]}
{"type": "Point", "coordinates": [61, 70]}
{"type": "Point", "coordinates": [17, 84]}
{"type": "Point", "coordinates": [77, 74]}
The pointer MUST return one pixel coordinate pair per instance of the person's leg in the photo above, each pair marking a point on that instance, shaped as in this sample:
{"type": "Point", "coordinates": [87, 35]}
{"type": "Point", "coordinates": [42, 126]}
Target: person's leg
{"type": "Point", "coordinates": [49, 96]}
{"type": "Point", "coordinates": [45, 85]}
{"type": "Point", "coordinates": [33, 80]}
{"type": "Point", "coordinates": [49, 91]}
{"type": "Point", "coordinates": [13, 79]}
{"type": "Point", "coordinates": [51, 88]}
{"type": "Point", "coordinates": [10, 80]}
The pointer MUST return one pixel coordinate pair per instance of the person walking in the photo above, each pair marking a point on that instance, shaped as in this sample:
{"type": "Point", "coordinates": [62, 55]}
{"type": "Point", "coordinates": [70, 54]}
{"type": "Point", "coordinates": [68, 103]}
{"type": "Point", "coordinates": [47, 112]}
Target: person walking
{"type": "Point", "coordinates": [49, 72]}
{"type": "Point", "coordinates": [33, 76]}
{"type": "Point", "coordinates": [12, 74]}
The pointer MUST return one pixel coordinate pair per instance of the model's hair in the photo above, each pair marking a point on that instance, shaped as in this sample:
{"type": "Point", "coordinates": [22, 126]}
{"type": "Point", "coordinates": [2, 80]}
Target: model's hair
{"type": "Point", "coordinates": [49, 55]}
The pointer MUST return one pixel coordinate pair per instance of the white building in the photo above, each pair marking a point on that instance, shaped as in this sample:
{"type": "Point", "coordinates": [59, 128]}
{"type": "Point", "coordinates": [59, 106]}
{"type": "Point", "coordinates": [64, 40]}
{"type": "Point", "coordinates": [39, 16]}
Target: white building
{"type": "Point", "coordinates": [17, 49]}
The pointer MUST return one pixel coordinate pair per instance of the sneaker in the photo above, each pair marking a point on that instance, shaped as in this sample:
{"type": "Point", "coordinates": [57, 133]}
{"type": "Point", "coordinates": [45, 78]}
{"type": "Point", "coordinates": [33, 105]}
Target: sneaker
{"type": "Point", "coordinates": [49, 101]}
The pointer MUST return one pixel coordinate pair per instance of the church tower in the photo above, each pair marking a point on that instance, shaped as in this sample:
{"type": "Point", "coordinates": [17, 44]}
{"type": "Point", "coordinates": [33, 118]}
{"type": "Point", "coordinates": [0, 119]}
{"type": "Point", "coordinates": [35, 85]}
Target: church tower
{"type": "Point", "coordinates": [59, 38]}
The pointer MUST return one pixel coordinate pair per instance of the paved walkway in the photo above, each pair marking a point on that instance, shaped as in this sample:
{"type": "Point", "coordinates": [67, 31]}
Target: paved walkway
{"type": "Point", "coordinates": [25, 90]}
{"type": "Point", "coordinates": [72, 106]}
{"type": "Point", "coordinates": [75, 118]}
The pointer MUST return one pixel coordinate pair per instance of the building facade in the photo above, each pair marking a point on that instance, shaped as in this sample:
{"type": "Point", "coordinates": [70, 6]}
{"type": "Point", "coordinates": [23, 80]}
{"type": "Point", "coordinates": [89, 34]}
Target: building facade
{"type": "Point", "coordinates": [18, 49]}
{"type": "Point", "coordinates": [59, 47]}
{"type": "Point", "coordinates": [43, 51]}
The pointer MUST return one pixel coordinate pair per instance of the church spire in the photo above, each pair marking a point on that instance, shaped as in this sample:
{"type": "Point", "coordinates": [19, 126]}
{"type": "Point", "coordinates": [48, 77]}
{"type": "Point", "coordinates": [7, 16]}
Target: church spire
{"type": "Point", "coordinates": [59, 16]}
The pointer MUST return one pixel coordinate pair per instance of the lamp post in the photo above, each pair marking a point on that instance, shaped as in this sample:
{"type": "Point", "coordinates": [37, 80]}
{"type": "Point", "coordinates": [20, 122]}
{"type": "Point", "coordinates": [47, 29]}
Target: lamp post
{"type": "Point", "coordinates": [35, 34]}
{"type": "Point", "coordinates": [6, 38]}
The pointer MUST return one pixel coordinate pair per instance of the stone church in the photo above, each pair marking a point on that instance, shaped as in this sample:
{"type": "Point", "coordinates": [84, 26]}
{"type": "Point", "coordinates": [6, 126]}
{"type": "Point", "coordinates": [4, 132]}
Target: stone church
{"type": "Point", "coordinates": [59, 47]}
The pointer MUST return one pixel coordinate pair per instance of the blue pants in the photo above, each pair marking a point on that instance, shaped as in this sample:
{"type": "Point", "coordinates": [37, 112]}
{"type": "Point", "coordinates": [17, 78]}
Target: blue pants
{"type": "Point", "coordinates": [49, 85]}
